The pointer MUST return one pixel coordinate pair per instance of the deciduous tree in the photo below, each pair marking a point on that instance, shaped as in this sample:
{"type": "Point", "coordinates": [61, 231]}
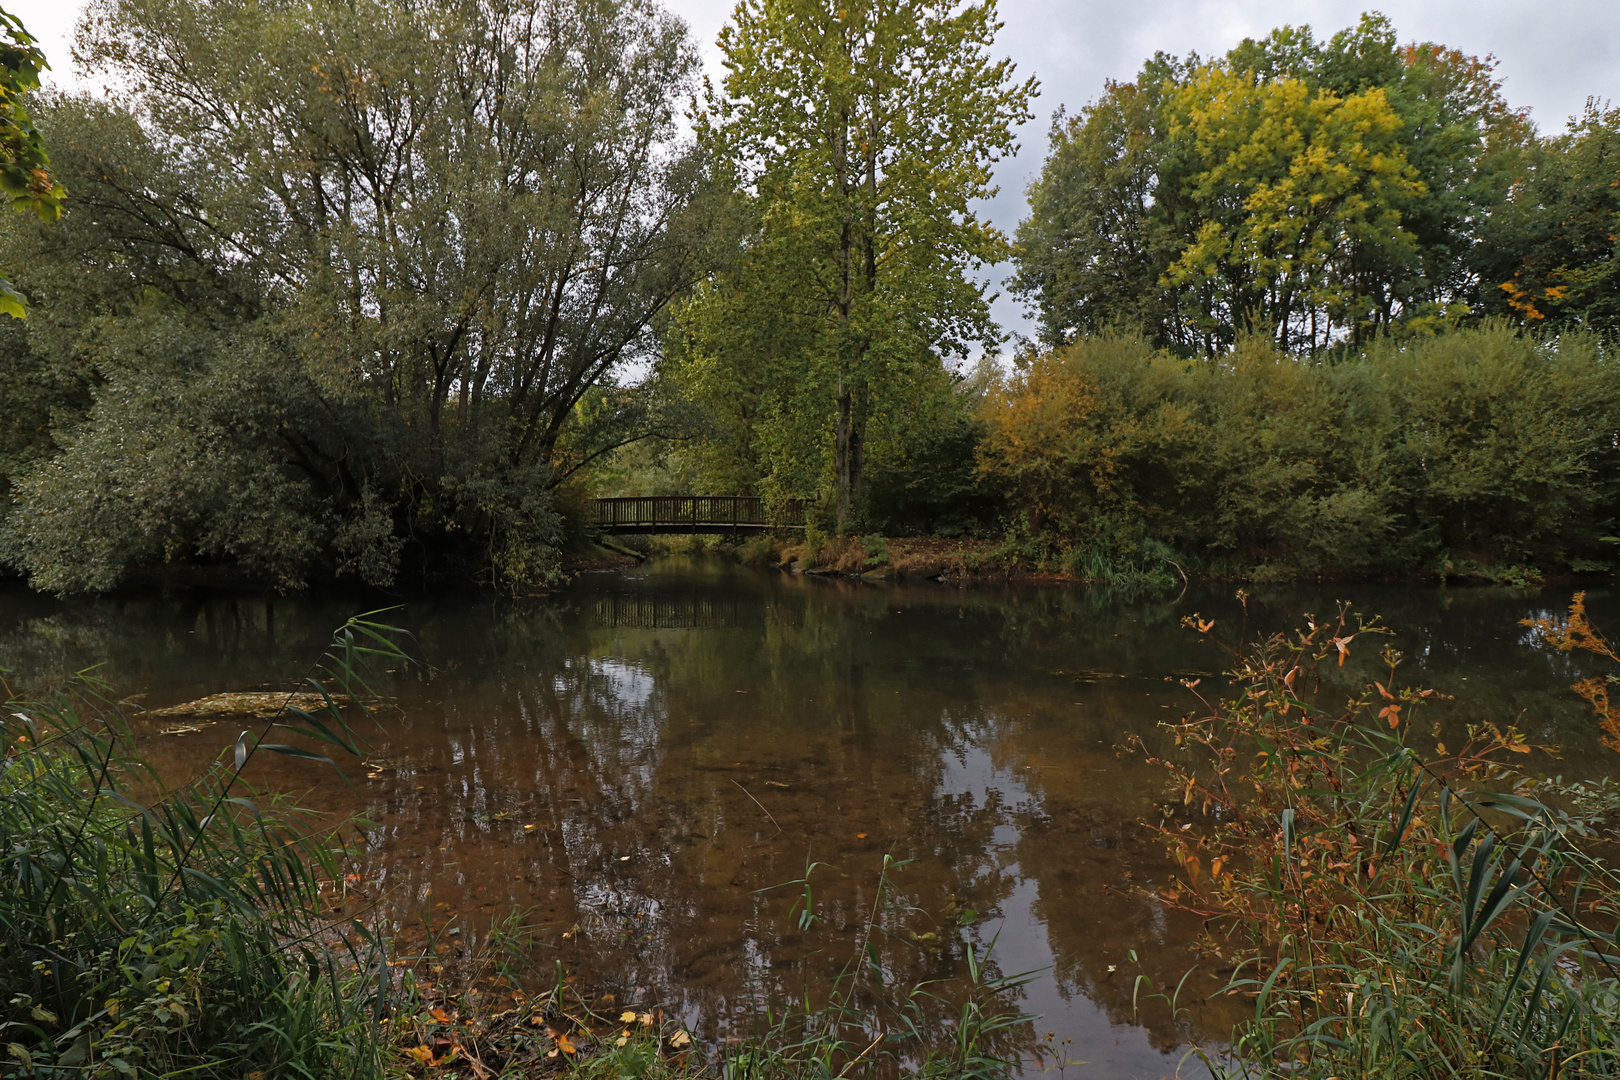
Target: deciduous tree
{"type": "Point", "coordinates": [1322, 190]}
{"type": "Point", "coordinates": [861, 135]}
{"type": "Point", "coordinates": [25, 167]}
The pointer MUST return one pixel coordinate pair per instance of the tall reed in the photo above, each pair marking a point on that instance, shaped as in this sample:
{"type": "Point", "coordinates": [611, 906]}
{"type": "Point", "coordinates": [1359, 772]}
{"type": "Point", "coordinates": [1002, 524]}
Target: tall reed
{"type": "Point", "coordinates": [179, 934]}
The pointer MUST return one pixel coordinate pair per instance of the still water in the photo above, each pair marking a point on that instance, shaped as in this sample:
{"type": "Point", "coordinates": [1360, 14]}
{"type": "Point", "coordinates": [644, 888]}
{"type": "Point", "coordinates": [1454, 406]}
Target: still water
{"type": "Point", "coordinates": [636, 761]}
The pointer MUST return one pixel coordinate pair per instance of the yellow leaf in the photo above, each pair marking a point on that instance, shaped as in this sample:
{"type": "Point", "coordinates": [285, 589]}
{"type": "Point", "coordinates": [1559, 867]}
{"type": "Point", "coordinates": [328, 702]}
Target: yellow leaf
{"type": "Point", "coordinates": [566, 1045]}
{"type": "Point", "coordinates": [679, 1039]}
{"type": "Point", "coordinates": [420, 1053]}
{"type": "Point", "coordinates": [627, 1017]}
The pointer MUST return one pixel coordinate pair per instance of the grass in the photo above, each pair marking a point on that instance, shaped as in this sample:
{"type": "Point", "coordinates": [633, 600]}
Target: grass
{"type": "Point", "coordinates": [178, 935]}
{"type": "Point", "coordinates": [480, 1021]}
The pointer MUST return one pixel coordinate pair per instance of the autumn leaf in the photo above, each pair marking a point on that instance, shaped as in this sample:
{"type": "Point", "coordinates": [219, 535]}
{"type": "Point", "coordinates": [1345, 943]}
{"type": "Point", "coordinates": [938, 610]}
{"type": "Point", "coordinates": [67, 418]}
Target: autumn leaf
{"type": "Point", "coordinates": [440, 1015]}
{"type": "Point", "coordinates": [566, 1045]}
{"type": "Point", "coordinates": [679, 1039]}
{"type": "Point", "coordinates": [421, 1053]}
{"type": "Point", "coordinates": [627, 1017]}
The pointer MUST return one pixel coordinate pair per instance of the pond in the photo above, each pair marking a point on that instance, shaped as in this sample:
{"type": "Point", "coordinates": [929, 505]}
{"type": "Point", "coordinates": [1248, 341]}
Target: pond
{"type": "Point", "coordinates": [638, 759]}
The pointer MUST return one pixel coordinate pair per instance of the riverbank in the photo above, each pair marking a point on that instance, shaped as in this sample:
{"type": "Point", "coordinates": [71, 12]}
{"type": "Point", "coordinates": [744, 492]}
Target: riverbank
{"type": "Point", "coordinates": [952, 561]}
{"type": "Point", "coordinates": [971, 561]}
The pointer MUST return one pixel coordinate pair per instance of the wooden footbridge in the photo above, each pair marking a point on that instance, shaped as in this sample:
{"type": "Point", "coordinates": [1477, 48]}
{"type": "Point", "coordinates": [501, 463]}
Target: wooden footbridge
{"type": "Point", "coordinates": [725, 514]}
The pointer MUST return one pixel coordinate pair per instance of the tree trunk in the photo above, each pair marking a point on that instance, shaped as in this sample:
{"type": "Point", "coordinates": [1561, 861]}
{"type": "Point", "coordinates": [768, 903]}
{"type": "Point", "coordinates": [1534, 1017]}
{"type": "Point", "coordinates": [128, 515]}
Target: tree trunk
{"type": "Point", "coordinates": [843, 459]}
{"type": "Point", "coordinates": [846, 250]}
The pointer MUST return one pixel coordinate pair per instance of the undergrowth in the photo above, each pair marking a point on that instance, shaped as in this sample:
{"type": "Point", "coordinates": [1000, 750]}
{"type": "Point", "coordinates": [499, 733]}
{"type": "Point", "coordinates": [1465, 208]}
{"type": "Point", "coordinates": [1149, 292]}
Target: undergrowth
{"type": "Point", "coordinates": [177, 935]}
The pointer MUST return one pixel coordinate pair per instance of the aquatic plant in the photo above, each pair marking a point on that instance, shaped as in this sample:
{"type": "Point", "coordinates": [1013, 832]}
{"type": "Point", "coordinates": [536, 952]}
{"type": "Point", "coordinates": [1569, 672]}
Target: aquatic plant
{"type": "Point", "coordinates": [1392, 906]}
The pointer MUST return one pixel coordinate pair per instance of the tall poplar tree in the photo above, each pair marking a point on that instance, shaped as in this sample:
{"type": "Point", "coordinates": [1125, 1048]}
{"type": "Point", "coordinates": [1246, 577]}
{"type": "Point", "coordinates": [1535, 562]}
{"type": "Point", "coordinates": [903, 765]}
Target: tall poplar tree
{"type": "Point", "coordinates": [861, 134]}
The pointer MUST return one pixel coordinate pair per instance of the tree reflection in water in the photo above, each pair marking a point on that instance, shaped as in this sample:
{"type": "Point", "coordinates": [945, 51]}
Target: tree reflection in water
{"type": "Point", "coordinates": [643, 756]}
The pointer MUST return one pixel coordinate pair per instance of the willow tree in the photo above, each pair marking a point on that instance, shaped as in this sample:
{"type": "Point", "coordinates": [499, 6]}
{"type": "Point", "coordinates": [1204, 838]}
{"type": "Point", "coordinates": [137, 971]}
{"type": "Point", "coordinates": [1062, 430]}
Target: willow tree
{"type": "Point", "coordinates": [451, 223]}
{"type": "Point", "coordinates": [861, 135]}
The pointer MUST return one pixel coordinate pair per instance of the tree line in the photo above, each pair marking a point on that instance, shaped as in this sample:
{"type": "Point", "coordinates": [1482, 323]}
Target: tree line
{"type": "Point", "coordinates": [380, 289]}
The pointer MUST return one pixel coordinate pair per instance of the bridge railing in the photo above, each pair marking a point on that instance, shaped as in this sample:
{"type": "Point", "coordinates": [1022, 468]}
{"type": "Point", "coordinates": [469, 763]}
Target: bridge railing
{"type": "Point", "coordinates": [694, 512]}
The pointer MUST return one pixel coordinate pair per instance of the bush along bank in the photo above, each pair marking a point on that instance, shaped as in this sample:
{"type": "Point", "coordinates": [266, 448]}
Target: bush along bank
{"type": "Point", "coordinates": [1484, 453]}
{"type": "Point", "coordinates": [1392, 905]}
{"type": "Point", "coordinates": [191, 934]}
{"type": "Point", "coordinates": [950, 560]}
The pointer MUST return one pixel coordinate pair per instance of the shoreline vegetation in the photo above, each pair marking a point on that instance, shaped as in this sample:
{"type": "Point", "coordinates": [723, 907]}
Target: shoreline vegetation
{"type": "Point", "coordinates": [974, 562]}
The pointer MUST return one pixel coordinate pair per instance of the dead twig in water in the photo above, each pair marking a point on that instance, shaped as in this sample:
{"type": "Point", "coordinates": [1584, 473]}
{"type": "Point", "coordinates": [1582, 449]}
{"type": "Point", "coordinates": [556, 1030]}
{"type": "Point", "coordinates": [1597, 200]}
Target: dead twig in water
{"type": "Point", "coordinates": [759, 804]}
{"type": "Point", "coordinates": [1184, 581]}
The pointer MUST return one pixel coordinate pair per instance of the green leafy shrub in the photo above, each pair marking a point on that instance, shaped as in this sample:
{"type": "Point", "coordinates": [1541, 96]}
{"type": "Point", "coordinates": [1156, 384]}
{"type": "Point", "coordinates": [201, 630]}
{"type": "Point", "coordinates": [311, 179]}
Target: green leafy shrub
{"type": "Point", "coordinates": [1494, 450]}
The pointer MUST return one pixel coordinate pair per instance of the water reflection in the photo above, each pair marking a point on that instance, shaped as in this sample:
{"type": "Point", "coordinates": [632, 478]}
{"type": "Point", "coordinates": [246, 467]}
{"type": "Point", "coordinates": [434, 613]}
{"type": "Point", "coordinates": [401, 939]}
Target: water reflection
{"type": "Point", "coordinates": [644, 756]}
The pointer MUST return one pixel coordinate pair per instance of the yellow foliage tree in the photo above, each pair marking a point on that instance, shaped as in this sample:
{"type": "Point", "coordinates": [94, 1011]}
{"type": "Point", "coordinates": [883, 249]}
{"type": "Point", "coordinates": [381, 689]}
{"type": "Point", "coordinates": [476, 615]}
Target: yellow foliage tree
{"type": "Point", "coordinates": [1301, 192]}
{"type": "Point", "coordinates": [1048, 439]}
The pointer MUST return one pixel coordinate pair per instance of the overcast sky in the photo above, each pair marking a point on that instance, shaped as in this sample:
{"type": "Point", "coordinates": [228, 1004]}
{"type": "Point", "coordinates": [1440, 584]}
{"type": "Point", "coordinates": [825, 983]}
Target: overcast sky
{"type": "Point", "coordinates": [1553, 54]}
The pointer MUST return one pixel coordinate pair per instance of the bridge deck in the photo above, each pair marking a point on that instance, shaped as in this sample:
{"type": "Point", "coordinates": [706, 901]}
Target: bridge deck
{"type": "Point", "coordinates": [694, 514]}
